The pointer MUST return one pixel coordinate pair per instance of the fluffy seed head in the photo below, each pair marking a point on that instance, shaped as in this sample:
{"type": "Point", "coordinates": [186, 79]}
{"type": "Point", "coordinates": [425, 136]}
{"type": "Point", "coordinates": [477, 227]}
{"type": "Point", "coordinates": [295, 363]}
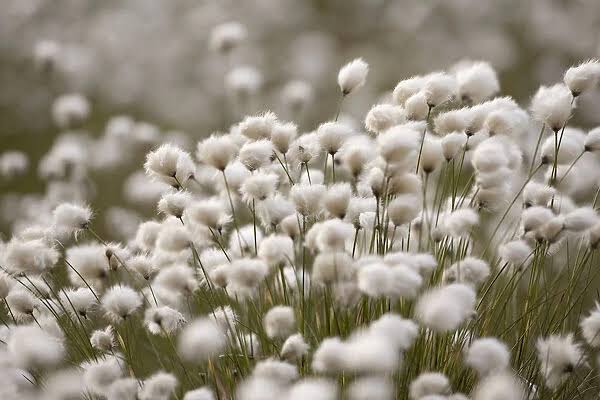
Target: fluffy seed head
{"type": "Point", "coordinates": [279, 322]}
{"type": "Point", "coordinates": [583, 77]}
{"type": "Point", "coordinates": [487, 355]}
{"type": "Point", "coordinates": [120, 301]}
{"type": "Point", "coordinates": [217, 151]}
{"type": "Point", "coordinates": [552, 105]}
{"type": "Point", "coordinates": [383, 116]}
{"type": "Point", "coordinates": [477, 82]}
{"type": "Point", "coordinates": [352, 76]}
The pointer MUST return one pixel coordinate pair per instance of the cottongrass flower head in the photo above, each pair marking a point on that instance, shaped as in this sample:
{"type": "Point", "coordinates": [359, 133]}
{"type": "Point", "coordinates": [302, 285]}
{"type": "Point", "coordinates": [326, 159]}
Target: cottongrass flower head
{"type": "Point", "coordinates": [29, 257]}
{"type": "Point", "coordinates": [384, 116]}
{"type": "Point", "coordinates": [352, 76]}
{"type": "Point", "coordinates": [294, 348]}
{"type": "Point", "coordinates": [313, 388]}
{"type": "Point", "coordinates": [590, 327]}
{"type": "Point", "coordinates": [200, 340]}
{"type": "Point", "coordinates": [477, 82]}
{"type": "Point", "coordinates": [558, 357]}
{"type": "Point", "coordinates": [503, 385]}
{"type": "Point", "coordinates": [552, 106]}
{"type": "Point", "coordinates": [203, 393]}
{"type": "Point", "coordinates": [227, 36]}
{"type": "Point", "coordinates": [32, 348]}
{"type": "Point", "coordinates": [163, 320]}
{"type": "Point", "coordinates": [429, 383]}
{"type": "Point", "coordinates": [583, 77]}
{"type": "Point", "coordinates": [120, 302]}
{"type": "Point", "coordinates": [170, 164]}
{"type": "Point", "coordinates": [487, 355]}
{"type": "Point", "coordinates": [218, 151]}
{"type": "Point", "coordinates": [445, 308]}
{"type": "Point", "coordinates": [255, 155]}
{"type": "Point", "coordinates": [159, 386]}
{"type": "Point", "coordinates": [371, 387]}
{"type": "Point", "coordinates": [258, 127]}
{"type": "Point", "coordinates": [279, 322]}
{"type": "Point", "coordinates": [69, 218]}
{"type": "Point", "coordinates": [103, 339]}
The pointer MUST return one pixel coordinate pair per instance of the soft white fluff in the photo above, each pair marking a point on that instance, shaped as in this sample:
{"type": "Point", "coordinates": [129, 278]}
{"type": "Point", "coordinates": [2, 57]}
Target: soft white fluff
{"type": "Point", "coordinates": [352, 76]}
{"type": "Point", "coordinates": [487, 355]}
{"type": "Point", "coordinates": [445, 308]}
{"type": "Point", "coordinates": [279, 322]}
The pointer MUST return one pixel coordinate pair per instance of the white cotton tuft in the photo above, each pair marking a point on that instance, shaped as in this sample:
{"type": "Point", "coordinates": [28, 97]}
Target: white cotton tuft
{"type": "Point", "coordinates": [70, 110]}
{"type": "Point", "coordinates": [200, 340]}
{"type": "Point", "coordinates": [406, 88]}
{"type": "Point", "coordinates": [282, 136]}
{"type": "Point", "coordinates": [381, 280]}
{"type": "Point", "coordinates": [28, 257]}
{"type": "Point", "coordinates": [255, 155]}
{"type": "Point", "coordinates": [174, 204]}
{"type": "Point", "coordinates": [308, 198]}
{"type": "Point", "coordinates": [439, 88]}
{"type": "Point", "coordinates": [461, 222]}
{"type": "Point", "coordinates": [169, 164]}
{"type": "Point", "coordinates": [487, 355]}
{"type": "Point", "coordinates": [552, 105]}
{"type": "Point", "coordinates": [535, 217]}
{"type": "Point", "coordinates": [592, 140]}
{"type": "Point", "coordinates": [537, 194]}
{"type": "Point", "coordinates": [258, 187]}
{"type": "Point", "coordinates": [259, 388]}
{"type": "Point", "coordinates": [383, 116]}
{"type": "Point", "coordinates": [452, 144]}
{"type": "Point", "coordinates": [100, 375]}
{"type": "Point", "coordinates": [294, 348]}
{"type": "Point", "coordinates": [470, 270]}
{"type": "Point", "coordinates": [403, 209]}
{"type": "Point", "coordinates": [395, 144]}
{"type": "Point", "coordinates": [163, 320]}
{"type": "Point", "coordinates": [159, 386]}
{"type": "Point", "coordinates": [279, 371]}
{"type": "Point", "coordinates": [203, 393]}
{"type": "Point", "coordinates": [499, 386]}
{"type": "Point", "coordinates": [332, 135]}
{"type": "Point", "coordinates": [330, 267]}
{"type": "Point", "coordinates": [558, 356]}
{"type": "Point", "coordinates": [580, 219]}
{"type": "Point", "coordinates": [416, 107]}
{"type": "Point", "coordinates": [583, 77]}
{"type": "Point", "coordinates": [445, 308]}
{"type": "Point", "coordinates": [297, 95]}
{"type": "Point", "coordinates": [120, 302]}
{"type": "Point", "coordinates": [227, 36]}
{"type": "Point", "coordinates": [515, 253]}
{"type": "Point", "coordinates": [218, 151]}
{"type": "Point", "coordinates": [427, 384]}
{"type": "Point", "coordinates": [399, 331]}
{"type": "Point", "coordinates": [369, 388]}
{"type": "Point", "coordinates": [477, 82]}
{"type": "Point", "coordinates": [331, 356]}
{"type": "Point", "coordinates": [32, 348]}
{"type": "Point", "coordinates": [13, 164]}
{"type": "Point", "coordinates": [211, 213]}
{"type": "Point", "coordinates": [590, 327]}
{"type": "Point", "coordinates": [276, 250]}
{"type": "Point", "coordinates": [69, 218]}
{"type": "Point", "coordinates": [244, 81]}
{"type": "Point", "coordinates": [279, 322]}
{"type": "Point", "coordinates": [103, 339]}
{"type": "Point", "coordinates": [352, 76]}
{"type": "Point", "coordinates": [258, 127]}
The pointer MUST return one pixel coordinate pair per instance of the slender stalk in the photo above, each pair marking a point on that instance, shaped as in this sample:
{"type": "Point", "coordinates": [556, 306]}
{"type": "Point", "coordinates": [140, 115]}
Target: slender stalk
{"type": "Point", "coordinates": [423, 138]}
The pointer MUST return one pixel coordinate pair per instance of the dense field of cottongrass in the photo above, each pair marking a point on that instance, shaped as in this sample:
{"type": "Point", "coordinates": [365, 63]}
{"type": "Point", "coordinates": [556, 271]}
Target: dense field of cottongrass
{"type": "Point", "coordinates": [446, 249]}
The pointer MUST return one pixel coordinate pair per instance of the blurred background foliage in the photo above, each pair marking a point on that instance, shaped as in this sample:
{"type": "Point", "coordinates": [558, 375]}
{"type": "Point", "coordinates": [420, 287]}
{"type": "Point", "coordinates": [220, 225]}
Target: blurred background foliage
{"type": "Point", "coordinates": [149, 59]}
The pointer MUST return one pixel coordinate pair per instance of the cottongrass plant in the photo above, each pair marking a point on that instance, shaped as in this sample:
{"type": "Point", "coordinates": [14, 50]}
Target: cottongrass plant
{"type": "Point", "coordinates": [446, 252]}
